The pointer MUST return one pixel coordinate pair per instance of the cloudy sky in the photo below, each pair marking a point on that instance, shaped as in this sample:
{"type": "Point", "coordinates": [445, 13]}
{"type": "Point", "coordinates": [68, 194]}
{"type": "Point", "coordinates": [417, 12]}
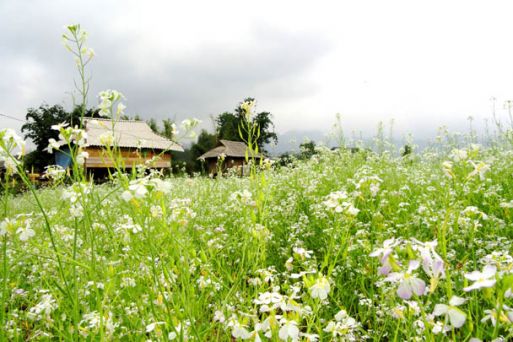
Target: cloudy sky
{"type": "Point", "coordinates": [422, 63]}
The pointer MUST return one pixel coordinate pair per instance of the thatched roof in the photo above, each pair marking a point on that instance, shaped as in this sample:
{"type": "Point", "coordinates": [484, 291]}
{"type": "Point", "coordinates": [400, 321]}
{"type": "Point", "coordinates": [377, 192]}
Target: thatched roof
{"type": "Point", "coordinates": [127, 133]}
{"type": "Point", "coordinates": [235, 149]}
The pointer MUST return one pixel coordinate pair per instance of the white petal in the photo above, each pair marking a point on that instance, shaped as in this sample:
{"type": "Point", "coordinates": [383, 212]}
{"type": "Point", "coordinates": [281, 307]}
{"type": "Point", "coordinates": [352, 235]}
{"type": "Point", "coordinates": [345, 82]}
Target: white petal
{"type": "Point", "coordinates": [489, 271]}
{"type": "Point", "coordinates": [456, 301]}
{"type": "Point", "coordinates": [475, 275]}
{"type": "Point", "coordinates": [457, 317]}
{"type": "Point", "coordinates": [440, 309]}
{"type": "Point", "coordinates": [404, 291]}
{"type": "Point", "coordinates": [418, 286]}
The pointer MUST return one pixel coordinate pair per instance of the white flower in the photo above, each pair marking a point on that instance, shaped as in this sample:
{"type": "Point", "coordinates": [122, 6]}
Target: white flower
{"type": "Point", "coordinates": [505, 316]}
{"type": "Point", "coordinates": [239, 331]}
{"type": "Point", "coordinates": [481, 279]}
{"type": "Point", "coordinates": [58, 127]}
{"type": "Point", "coordinates": [456, 316]}
{"type": "Point", "coordinates": [288, 330]}
{"type": "Point", "coordinates": [53, 145]}
{"type": "Point", "coordinates": [81, 157]}
{"type": "Point", "coordinates": [126, 196]}
{"type": "Point", "coordinates": [121, 109]}
{"type": "Point", "coordinates": [44, 307]}
{"type": "Point", "coordinates": [320, 288]}
{"type": "Point", "coordinates": [219, 317]}
{"type": "Point", "coordinates": [459, 155]}
{"type": "Point", "coordinates": [25, 232]}
{"type": "Point", "coordinates": [150, 327]}
{"type": "Point", "coordinates": [479, 169]}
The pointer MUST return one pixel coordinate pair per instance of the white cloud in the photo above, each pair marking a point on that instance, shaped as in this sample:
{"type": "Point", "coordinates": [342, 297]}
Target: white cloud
{"type": "Point", "coordinates": [422, 63]}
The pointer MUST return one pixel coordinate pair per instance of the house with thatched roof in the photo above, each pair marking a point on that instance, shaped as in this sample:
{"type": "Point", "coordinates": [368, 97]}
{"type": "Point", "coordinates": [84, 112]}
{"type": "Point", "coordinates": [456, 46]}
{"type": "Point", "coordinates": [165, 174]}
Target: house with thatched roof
{"type": "Point", "coordinates": [137, 144]}
{"type": "Point", "coordinates": [227, 154]}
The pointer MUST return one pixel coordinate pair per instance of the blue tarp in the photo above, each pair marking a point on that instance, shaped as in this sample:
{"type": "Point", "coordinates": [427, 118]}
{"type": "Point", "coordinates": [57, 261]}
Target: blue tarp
{"type": "Point", "coordinates": [63, 158]}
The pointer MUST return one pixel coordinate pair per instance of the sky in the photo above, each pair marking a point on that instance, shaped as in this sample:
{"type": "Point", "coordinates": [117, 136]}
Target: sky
{"type": "Point", "coordinates": [422, 64]}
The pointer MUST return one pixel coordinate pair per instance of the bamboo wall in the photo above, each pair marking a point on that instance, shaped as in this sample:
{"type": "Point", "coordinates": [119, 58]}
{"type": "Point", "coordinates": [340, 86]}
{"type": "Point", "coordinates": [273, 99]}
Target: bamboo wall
{"type": "Point", "coordinates": [130, 158]}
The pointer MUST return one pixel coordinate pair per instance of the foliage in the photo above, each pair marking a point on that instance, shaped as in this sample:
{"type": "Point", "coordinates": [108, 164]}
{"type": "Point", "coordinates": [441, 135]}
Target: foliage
{"type": "Point", "coordinates": [168, 129]}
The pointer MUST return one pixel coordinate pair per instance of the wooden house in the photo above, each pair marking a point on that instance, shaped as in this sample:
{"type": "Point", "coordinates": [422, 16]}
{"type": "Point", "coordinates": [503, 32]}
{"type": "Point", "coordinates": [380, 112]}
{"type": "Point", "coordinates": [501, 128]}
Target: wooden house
{"type": "Point", "coordinates": [227, 155]}
{"type": "Point", "coordinates": [136, 141]}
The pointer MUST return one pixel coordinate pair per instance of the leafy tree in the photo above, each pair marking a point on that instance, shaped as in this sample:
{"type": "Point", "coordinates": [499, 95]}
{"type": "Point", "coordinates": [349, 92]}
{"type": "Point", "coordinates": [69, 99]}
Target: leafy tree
{"type": "Point", "coordinates": [153, 125]}
{"type": "Point", "coordinates": [166, 131]}
{"type": "Point", "coordinates": [206, 141]}
{"type": "Point", "coordinates": [227, 125]}
{"type": "Point", "coordinates": [307, 149]}
{"type": "Point", "coordinates": [39, 124]}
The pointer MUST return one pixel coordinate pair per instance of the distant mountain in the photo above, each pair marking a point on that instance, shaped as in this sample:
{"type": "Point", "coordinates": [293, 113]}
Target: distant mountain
{"type": "Point", "coordinates": [290, 141]}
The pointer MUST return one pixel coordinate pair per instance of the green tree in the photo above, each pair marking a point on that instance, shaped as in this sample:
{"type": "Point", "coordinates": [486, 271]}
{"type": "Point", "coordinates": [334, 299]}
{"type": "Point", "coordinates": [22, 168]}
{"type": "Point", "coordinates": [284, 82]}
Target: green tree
{"type": "Point", "coordinates": [206, 141]}
{"type": "Point", "coordinates": [167, 129]}
{"type": "Point", "coordinates": [227, 126]}
{"type": "Point", "coordinates": [39, 124]}
{"type": "Point", "coordinates": [307, 149]}
{"type": "Point", "coordinates": [153, 125]}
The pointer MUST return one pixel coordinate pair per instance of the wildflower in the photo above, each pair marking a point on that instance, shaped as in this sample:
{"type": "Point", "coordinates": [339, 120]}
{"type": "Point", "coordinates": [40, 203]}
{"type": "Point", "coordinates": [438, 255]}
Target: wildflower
{"type": "Point", "coordinates": [54, 172]}
{"type": "Point", "coordinates": [456, 316]}
{"type": "Point", "coordinates": [60, 126]}
{"type": "Point", "coordinates": [344, 326]}
{"type": "Point", "coordinates": [219, 317]}
{"type": "Point", "coordinates": [288, 330]}
{"type": "Point", "coordinates": [320, 288]}
{"type": "Point", "coordinates": [107, 99]}
{"type": "Point", "coordinates": [459, 155]}
{"type": "Point", "coordinates": [44, 307]}
{"type": "Point", "coordinates": [9, 141]}
{"type": "Point", "coordinates": [481, 279]}
{"type": "Point", "coordinates": [138, 188]}
{"type": "Point", "coordinates": [247, 109]}
{"type": "Point", "coordinates": [126, 196]}
{"type": "Point", "coordinates": [25, 232]}
{"type": "Point", "coordinates": [409, 284]}
{"type": "Point", "coordinates": [7, 226]}
{"type": "Point", "coordinates": [447, 169]}
{"type": "Point", "coordinates": [178, 331]}
{"type": "Point", "coordinates": [239, 330]}
{"type": "Point", "coordinates": [384, 254]}
{"type": "Point", "coordinates": [120, 109]}
{"type": "Point", "coordinates": [81, 157]}
{"type": "Point", "coordinates": [479, 169]}
{"type": "Point", "coordinates": [53, 145]}
{"type": "Point", "coordinates": [505, 316]}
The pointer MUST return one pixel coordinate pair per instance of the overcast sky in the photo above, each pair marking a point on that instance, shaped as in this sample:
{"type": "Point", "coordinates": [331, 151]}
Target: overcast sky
{"type": "Point", "coordinates": [421, 63]}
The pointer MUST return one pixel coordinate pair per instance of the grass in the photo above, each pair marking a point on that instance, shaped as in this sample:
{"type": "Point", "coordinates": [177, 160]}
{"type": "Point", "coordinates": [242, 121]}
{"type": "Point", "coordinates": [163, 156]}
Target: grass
{"type": "Point", "coordinates": [282, 254]}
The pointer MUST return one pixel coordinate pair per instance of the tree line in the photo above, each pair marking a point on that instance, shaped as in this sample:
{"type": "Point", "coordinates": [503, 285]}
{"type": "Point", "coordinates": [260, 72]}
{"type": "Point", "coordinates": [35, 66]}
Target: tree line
{"type": "Point", "coordinates": [226, 126]}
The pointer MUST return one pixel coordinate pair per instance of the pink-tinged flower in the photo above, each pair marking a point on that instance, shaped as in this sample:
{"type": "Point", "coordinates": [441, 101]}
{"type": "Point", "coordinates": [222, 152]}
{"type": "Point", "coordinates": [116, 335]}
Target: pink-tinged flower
{"type": "Point", "coordinates": [409, 284]}
{"type": "Point", "coordinates": [481, 279]}
{"type": "Point", "coordinates": [433, 265]}
{"type": "Point", "coordinates": [455, 316]}
{"type": "Point", "coordinates": [384, 253]}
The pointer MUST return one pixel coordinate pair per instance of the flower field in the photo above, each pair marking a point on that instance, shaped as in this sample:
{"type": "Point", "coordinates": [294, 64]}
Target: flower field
{"type": "Point", "coordinates": [345, 246]}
